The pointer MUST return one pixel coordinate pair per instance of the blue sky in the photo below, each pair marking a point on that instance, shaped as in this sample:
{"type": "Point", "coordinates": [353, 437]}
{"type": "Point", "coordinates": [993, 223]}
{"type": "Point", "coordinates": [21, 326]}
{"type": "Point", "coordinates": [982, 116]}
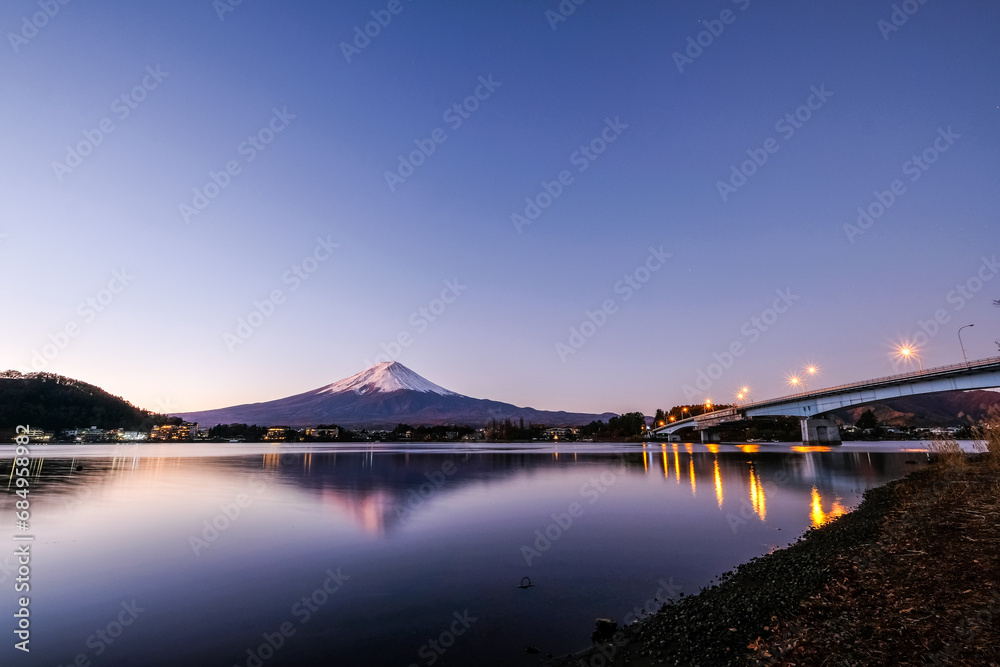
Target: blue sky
{"type": "Point", "coordinates": [168, 336]}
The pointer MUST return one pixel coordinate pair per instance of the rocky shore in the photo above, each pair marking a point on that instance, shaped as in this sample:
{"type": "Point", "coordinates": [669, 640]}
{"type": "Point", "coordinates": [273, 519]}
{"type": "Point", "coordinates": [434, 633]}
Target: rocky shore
{"type": "Point", "coordinates": [910, 577]}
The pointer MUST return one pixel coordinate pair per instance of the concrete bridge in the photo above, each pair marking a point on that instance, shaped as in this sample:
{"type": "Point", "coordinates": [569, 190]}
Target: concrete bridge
{"type": "Point", "coordinates": [811, 406]}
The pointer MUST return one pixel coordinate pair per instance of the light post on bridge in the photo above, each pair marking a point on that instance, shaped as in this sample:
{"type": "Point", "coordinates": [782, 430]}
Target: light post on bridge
{"type": "Point", "coordinates": [743, 395]}
{"type": "Point", "coordinates": [964, 358]}
{"type": "Point", "coordinates": [907, 351]}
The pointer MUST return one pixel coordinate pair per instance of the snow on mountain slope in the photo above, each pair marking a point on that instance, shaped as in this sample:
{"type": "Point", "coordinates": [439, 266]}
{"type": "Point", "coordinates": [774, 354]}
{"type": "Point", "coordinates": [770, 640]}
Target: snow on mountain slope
{"type": "Point", "coordinates": [383, 396]}
{"type": "Point", "coordinates": [383, 378]}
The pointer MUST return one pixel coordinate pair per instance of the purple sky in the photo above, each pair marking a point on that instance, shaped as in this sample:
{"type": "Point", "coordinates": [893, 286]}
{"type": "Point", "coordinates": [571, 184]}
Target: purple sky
{"type": "Point", "coordinates": [169, 169]}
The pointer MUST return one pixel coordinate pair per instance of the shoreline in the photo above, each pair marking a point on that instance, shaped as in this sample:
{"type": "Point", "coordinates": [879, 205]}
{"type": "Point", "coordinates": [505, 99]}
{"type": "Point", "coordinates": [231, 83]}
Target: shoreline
{"type": "Point", "coordinates": [849, 590]}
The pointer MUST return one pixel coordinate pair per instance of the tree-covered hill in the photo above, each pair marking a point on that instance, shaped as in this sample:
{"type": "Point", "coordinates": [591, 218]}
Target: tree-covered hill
{"type": "Point", "coordinates": [49, 401]}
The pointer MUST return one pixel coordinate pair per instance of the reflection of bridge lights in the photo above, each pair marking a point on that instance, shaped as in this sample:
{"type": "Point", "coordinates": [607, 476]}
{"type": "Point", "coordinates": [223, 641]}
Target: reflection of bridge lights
{"type": "Point", "coordinates": [691, 468]}
{"type": "Point", "coordinates": [757, 500]}
{"type": "Point", "coordinates": [718, 484]}
{"type": "Point", "coordinates": [816, 513]}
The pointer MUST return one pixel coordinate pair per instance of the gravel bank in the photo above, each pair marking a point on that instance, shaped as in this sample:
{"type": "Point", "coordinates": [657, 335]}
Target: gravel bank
{"type": "Point", "coordinates": [910, 577]}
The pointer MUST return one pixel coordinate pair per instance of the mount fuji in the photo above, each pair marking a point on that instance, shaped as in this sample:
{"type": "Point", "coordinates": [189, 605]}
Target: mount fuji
{"type": "Point", "coordinates": [381, 397]}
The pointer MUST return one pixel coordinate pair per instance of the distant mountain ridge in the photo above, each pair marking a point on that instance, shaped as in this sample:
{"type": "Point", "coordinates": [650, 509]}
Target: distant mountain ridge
{"type": "Point", "coordinates": [383, 396]}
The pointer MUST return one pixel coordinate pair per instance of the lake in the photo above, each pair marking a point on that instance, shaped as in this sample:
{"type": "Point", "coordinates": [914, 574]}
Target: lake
{"type": "Point", "coordinates": [386, 554]}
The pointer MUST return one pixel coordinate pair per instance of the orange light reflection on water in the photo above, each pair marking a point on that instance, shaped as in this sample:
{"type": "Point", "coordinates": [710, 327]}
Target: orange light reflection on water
{"type": "Point", "coordinates": [718, 484]}
{"type": "Point", "coordinates": [757, 500]}
{"type": "Point", "coordinates": [816, 513]}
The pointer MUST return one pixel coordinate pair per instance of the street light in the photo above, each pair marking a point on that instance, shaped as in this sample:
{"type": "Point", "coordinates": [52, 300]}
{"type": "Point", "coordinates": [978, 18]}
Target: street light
{"type": "Point", "coordinates": [906, 352]}
{"type": "Point", "coordinates": [795, 381]}
{"type": "Point", "coordinates": [966, 359]}
{"type": "Point", "coordinates": [743, 394]}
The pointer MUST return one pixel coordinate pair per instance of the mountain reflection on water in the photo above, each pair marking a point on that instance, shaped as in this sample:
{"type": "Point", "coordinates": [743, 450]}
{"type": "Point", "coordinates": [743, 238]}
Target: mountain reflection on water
{"type": "Point", "coordinates": [219, 542]}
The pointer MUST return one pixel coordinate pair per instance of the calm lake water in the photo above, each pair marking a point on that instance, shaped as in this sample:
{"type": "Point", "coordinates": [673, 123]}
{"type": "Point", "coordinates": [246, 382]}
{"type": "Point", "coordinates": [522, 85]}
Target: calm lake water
{"type": "Point", "coordinates": [393, 555]}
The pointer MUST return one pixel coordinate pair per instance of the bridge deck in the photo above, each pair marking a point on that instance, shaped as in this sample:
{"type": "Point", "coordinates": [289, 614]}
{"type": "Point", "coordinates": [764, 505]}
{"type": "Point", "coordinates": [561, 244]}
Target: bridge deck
{"type": "Point", "coordinates": [991, 365]}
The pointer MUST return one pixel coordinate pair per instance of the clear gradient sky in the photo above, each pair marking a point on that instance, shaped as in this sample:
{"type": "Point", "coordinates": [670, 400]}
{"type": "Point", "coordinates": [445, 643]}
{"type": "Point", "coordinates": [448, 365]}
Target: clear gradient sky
{"type": "Point", "coordinates": [199, 81]}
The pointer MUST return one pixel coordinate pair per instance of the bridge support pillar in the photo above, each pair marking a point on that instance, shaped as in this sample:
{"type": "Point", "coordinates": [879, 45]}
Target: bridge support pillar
{"type": "Point", "coordinates": [709, 436]}
{"type": "Point", "coordinates": [820, 432]}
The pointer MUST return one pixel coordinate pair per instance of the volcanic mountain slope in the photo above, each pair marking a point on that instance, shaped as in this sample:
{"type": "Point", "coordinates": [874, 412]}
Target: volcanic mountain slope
{"type": "Point", "coordinates": [381, 397]}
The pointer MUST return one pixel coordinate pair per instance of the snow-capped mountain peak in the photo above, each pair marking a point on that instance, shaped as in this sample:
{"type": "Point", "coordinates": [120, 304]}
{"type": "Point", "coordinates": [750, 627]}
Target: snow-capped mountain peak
{"type": "Point", "coordinates": [386, 377]}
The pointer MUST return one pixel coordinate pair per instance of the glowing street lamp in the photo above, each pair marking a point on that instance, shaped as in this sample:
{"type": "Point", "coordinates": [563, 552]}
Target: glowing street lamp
{"type": "Point", "coordinates": [907, 351]}
{"type": "Point", "coordinates": [795, 381]}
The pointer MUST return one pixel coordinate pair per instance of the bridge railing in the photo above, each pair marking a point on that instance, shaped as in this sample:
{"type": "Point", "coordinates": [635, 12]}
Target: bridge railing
{"type": "Point", "coordinates": [864, 384]}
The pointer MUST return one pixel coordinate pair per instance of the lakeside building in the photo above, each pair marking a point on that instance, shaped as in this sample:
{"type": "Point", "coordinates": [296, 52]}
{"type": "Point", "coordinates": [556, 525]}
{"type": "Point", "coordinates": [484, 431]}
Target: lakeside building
{"type": "Point", "coordinates": [92, 434]}
{"type": "Point", "coordinates": [37, 435]}
{"type": "Point", "coordinates": [183, 432]}
{"type": "Point", "coordinates": [276, 433]}
{"type": "Point", "coordinates": [323, 433]}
